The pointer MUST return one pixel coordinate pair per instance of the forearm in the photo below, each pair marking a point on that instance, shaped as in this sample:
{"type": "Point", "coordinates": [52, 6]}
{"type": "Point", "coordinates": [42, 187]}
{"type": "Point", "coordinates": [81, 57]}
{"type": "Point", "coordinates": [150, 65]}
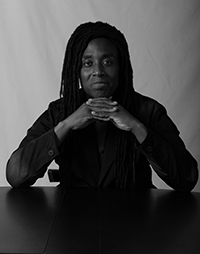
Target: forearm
{"type": "Point", "coordinates": [29, 162]}
{"type": "Point", "coordinates": [172, 162]}
{"type": "Point", "coordinates": [139, 131]}
{"type": "Point", "coordinates": [61, 130]}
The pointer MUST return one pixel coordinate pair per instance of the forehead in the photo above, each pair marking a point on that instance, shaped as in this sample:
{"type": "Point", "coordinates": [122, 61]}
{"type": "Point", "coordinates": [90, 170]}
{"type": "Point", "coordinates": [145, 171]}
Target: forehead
{"type": "Point", "coordinates": [100, 46]}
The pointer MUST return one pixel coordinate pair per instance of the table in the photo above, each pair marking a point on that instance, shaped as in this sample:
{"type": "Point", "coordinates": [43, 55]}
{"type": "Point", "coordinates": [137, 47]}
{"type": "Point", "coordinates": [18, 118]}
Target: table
{"type": "Point", "coordinates": [26, 218]}
{"type": "Point", "coordinates": [98, 221]}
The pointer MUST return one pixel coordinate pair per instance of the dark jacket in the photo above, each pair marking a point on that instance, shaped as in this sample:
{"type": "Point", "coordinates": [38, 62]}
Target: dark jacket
{"type": "Point", "coordinates": [163, 149]}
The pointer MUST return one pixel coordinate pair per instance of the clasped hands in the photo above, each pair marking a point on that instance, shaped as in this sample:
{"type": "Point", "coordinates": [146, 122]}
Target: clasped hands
{"type": "Point", "coordinates": [103, 109]}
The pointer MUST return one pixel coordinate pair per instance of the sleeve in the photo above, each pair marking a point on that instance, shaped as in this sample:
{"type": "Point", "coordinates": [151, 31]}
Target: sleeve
{"type": "Point", "coordinates": [36, 151]}
{"type": "Point", "coordinates": [167, 154]}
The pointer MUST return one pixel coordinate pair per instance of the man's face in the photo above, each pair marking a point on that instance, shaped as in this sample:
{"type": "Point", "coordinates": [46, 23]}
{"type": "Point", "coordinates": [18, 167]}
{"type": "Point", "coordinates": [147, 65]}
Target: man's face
{"type": "Point", "coordinates": [100, 69]}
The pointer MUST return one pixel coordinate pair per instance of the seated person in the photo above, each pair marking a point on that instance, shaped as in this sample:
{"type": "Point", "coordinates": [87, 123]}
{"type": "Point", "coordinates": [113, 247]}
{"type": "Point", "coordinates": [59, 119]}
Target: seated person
{"type": "Point", "coordinates": [101, 132]}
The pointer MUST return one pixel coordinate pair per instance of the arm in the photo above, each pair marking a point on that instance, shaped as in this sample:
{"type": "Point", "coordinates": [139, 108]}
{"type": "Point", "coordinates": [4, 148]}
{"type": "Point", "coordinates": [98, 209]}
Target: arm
{"type": "Point", "coordinates": [41, 144]}
{"type": "Point", "coordinates": [157, 139]}
{"type": "Point", "coordinates": [167, 154]}
{"type": "Point", "coordinates": [36, 151]}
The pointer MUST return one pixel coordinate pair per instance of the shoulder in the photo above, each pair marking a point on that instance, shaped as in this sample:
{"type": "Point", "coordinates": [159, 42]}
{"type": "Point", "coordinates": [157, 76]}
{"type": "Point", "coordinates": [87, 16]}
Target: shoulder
{"type": "Point", "coordinates": [56, 104]}
{"type": "Point", "coordinates": [143, 102]}
{"type": "Point", "coordinates": [147, 108]}
{"type": "Point", "coordinates": [55, 110]}
{"type": "Point", "coordinates": [51, 115]}
{"type": "Point", "coordinates": [55, 107]}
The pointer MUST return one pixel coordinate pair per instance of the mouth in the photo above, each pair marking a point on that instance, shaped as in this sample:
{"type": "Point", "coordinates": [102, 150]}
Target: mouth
{"type": "Point", "coordinates": [99, 84]}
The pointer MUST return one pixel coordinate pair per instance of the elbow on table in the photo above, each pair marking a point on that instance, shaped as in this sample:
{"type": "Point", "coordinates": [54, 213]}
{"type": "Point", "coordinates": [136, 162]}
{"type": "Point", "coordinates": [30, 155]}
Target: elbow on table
{"type": "Point", "coordinates": [185, 187]}
{"type": "Point", "coordinates": [14, 174]}
{"type": "Point", "coordinates": [12, 182]}
{"type": "Point", "coordinates": [12, 178]}
{"type": "Point", "coordinates": [188, 184]}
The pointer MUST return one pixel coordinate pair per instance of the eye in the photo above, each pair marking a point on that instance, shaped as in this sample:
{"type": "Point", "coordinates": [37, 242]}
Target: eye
{"type": "Point", "coordinates": [107, 62]}
{"type": "Point", "coordinates": [87, 63]}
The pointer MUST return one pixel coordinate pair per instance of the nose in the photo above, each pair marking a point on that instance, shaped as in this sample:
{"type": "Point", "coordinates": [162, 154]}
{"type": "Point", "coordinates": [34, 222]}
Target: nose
{"type": "Point", "coordinates": [98, 70]}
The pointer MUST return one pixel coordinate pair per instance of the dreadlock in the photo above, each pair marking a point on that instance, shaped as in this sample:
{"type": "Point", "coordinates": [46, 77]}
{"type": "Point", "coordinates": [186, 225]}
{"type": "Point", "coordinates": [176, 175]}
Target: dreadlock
{"type": "Point", "coordinates": [70, 94]}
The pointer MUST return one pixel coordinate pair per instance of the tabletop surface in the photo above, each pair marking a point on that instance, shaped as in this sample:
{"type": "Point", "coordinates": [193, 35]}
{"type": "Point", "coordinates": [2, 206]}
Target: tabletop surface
{"type": "Point", "coordinates": [98, 221]}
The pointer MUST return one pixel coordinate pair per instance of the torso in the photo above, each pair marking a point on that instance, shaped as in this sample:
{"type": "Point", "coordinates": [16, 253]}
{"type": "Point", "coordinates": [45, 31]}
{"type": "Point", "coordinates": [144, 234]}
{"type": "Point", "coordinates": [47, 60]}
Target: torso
{"type": "Point", "coordinates": [101, 129]}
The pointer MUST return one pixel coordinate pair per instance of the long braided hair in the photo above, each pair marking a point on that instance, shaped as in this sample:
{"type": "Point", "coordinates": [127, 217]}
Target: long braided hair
{"type": "Point", "coordinates": [70, 93]}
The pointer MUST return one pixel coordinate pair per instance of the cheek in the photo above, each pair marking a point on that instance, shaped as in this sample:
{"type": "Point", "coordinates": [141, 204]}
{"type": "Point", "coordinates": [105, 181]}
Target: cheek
{"type": "Point", "coordinates": [84, 80]}
{"type": "Point", "coordinates": [84, 76]}
{"type": "Point", "coordinates": [116, 77]}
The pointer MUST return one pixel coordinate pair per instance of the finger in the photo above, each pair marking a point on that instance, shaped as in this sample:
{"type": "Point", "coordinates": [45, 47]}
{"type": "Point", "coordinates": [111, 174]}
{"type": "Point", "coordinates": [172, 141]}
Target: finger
{"type": "Point", "coordinates": [100, 115]}
{"type": "Point", "coordinates": [102, 100]}
{"type": "Point", "coordinates": [105, 119]}
{"type": "Point", "coordinates": [101, 108]}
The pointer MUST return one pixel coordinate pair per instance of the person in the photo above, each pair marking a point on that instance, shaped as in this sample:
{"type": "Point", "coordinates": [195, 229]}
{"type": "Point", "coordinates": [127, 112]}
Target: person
{"type": "Point", "coordinates": [101, 132]}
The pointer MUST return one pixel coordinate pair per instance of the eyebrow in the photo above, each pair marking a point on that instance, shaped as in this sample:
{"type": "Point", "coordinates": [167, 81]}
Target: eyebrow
{"type": "Point", "coordinates": [103, 56]}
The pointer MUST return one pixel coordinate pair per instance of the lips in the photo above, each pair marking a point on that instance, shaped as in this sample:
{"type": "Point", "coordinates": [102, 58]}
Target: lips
{"type": "Point", "coordinates": [99, 84]}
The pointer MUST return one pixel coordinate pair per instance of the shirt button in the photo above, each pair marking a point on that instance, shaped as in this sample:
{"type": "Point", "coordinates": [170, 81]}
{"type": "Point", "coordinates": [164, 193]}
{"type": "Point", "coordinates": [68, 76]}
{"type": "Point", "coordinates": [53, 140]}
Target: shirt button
{"type": "Point", "coordinates": [50, 152]}
{"type": "Point", "coordinates": [149, 149]}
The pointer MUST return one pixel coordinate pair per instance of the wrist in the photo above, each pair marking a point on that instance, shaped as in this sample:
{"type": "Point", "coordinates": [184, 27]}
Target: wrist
{"type": "Point", "coordinates": [140, 131]}
{"type": "Point", "coordinates": [61, 130]}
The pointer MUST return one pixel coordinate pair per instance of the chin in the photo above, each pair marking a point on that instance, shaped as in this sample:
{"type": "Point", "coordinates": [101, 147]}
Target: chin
{"type": "Point", "coordinates": [99, 94]}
